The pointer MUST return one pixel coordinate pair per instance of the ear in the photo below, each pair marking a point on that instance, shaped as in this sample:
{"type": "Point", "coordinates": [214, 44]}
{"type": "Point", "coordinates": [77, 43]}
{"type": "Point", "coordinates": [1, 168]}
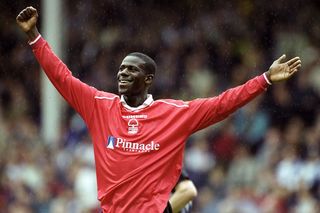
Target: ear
{"type": "Point", "coordinates": [149, 78]}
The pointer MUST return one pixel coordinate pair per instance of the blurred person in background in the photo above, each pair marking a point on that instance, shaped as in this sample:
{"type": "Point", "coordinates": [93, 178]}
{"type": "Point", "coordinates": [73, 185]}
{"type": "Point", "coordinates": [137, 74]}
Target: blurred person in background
{"type": "Point", "coordinates": [198, 160]}
{"type": "Point", "coordinates": [136, 176]}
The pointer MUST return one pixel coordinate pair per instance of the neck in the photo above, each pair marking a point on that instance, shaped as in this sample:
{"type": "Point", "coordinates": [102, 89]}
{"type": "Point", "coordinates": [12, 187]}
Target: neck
{"type": "Point", "coordinates": [135, 101]}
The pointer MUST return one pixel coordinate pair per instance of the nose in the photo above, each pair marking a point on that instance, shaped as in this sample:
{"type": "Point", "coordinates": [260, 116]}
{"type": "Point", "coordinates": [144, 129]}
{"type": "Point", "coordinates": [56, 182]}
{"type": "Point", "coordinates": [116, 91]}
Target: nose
{"type": "Point", "coordinates": [123, 72]}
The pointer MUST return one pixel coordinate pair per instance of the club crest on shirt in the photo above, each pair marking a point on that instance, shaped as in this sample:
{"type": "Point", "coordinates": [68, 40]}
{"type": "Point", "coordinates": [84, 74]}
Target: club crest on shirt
{"type": "Point", "coordinates": [133, 125]}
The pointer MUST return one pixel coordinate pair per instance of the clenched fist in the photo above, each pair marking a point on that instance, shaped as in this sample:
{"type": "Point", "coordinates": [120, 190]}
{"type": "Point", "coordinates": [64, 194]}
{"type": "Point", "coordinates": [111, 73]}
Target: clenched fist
{"type": "Point", "coordinates": [27, 20]}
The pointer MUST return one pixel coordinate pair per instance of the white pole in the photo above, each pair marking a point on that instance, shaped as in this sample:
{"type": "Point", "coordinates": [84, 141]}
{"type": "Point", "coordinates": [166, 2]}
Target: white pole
{"type": "Point", "coordinates": [51, 102]}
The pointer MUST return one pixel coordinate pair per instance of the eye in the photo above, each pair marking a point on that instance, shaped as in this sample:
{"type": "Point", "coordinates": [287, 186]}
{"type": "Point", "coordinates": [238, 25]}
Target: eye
{"type": "Point", "coordinates": [133, 69]}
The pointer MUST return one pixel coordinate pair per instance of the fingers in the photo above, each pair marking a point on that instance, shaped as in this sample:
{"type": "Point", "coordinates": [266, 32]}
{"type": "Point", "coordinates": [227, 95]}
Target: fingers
{"type": "Point", "coordinates": [26, 14]}
{"type": "Point", "coordinates": [293, 72]}
{"type": "Point", "coordinates": [29, 12]}
{"type": "Point", "coordinates": [293, 60]}
{"type": "Point", "coordinates": [32, 11]}
{"type": "Point", "coordinates": [281, 58]}
{"type": "Point", "coordinates": [295, 65]}
{"type": "Point", "coordinates": [21, 16]}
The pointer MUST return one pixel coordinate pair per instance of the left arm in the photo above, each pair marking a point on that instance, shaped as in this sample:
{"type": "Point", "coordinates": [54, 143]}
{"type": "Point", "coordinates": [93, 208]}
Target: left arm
{"type": "Point", "coordinates": [207, 111]}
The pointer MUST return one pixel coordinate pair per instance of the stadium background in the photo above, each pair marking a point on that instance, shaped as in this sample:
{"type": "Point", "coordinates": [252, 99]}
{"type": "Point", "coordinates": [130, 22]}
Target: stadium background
{"type": "Point", "coordinates": [264, 158]}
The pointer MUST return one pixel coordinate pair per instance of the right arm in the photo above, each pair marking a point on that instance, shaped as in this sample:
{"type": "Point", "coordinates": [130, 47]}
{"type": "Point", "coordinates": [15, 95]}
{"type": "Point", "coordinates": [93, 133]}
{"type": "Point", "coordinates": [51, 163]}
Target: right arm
{"type": "Point", "coordinates": [79, 95]}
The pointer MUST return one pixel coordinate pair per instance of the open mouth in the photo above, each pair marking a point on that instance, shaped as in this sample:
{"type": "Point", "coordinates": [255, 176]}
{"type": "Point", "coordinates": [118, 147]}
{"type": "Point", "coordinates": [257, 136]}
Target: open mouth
{"type": "Point", "coordinates": [124, 82]}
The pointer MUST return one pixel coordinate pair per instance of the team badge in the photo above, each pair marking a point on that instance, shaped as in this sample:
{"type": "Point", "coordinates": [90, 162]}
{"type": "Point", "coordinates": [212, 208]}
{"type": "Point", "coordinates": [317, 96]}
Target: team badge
{"type": "Point", "coordinates": [133, 126]}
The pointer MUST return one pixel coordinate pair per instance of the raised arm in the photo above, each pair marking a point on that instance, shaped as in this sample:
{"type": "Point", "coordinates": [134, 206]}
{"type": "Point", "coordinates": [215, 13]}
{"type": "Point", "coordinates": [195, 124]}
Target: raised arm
{"type": "Point", "coordinates": [27, 21]}
{"type": "Point", "coordinates": [78, 94]}
{"type": "Point", "coordinates": [215, 109]}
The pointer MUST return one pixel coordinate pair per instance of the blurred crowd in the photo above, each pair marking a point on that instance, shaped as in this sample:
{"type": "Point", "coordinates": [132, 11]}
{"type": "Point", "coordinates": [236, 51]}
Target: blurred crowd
{"type": "Point", "coordinates": [265, 158]}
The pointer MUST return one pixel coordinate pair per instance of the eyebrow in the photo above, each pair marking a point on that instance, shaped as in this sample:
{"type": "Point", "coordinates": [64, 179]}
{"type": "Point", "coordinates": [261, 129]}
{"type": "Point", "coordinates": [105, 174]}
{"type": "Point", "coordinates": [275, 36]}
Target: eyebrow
{"type": "Point", "coordinates": [126, 65]}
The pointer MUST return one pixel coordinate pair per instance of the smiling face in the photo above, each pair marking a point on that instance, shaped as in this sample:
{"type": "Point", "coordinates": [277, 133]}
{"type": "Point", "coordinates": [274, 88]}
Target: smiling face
{"type": "Point", "coordinates": [132, 79]}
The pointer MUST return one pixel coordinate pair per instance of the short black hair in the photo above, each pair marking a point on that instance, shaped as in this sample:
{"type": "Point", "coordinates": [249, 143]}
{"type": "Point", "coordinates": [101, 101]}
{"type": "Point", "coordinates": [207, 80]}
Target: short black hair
{"type": "Point", "coordinates": [150, 65]}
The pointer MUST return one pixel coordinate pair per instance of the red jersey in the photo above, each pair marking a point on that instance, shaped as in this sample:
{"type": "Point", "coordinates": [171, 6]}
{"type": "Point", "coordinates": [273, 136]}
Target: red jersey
{"type": "Point", "coordinates": [139, 151]}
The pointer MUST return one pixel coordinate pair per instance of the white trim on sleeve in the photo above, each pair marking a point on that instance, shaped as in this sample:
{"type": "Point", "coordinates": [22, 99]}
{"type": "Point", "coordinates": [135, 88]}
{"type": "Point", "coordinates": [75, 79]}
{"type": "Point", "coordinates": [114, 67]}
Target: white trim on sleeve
{"type": "Point", "coordinates": [35, 40]}
{"type": "Point", "coordinates": [267, 80]}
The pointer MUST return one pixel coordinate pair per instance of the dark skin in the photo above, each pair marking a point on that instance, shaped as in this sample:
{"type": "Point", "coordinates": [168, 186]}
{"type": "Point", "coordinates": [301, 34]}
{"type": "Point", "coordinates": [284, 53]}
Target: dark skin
{"type": "Point", "coordinates": [133, 81]}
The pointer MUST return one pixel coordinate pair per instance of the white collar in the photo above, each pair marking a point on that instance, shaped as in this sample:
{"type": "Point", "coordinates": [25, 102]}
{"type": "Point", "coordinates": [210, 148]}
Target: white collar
{"type": "Point", "coordinates": [146, 103]}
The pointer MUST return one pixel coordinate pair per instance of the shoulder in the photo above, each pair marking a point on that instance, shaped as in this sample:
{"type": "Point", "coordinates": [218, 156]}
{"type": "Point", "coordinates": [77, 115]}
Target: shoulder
{"type": "Point", "coordinates": [100, 95]}
{"type": "Point", "coordinates": [173, 103]}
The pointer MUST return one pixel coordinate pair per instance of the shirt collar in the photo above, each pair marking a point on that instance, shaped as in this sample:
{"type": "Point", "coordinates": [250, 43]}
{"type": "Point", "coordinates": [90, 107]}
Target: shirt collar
{"type": "Point", "coordinates": [146, 103]}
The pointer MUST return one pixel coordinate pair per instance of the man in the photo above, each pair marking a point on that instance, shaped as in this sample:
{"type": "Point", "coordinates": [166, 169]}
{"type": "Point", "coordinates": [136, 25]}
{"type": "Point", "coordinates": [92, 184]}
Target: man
{"type": "Point", "coordinates": [182, 195]}
{"type": "Point", "coordinates": [139, 142]}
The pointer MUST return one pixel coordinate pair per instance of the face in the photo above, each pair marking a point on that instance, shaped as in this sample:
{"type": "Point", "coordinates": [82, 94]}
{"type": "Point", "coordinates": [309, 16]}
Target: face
{"type": "Point", "coordinates": [132, 79]}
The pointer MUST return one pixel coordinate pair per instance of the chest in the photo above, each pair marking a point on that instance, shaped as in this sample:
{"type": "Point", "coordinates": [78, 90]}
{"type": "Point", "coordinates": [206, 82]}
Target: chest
{"type": "Point", "coordinates": [151, 121]}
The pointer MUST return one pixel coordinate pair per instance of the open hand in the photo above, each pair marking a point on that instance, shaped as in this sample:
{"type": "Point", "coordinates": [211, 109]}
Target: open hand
{"type": "Point", "coordinates": [280, 71]}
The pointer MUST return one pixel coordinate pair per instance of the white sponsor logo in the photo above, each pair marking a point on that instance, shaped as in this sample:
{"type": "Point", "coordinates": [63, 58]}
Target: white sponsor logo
{"type": "Point", "coordinates": [130, 146]}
